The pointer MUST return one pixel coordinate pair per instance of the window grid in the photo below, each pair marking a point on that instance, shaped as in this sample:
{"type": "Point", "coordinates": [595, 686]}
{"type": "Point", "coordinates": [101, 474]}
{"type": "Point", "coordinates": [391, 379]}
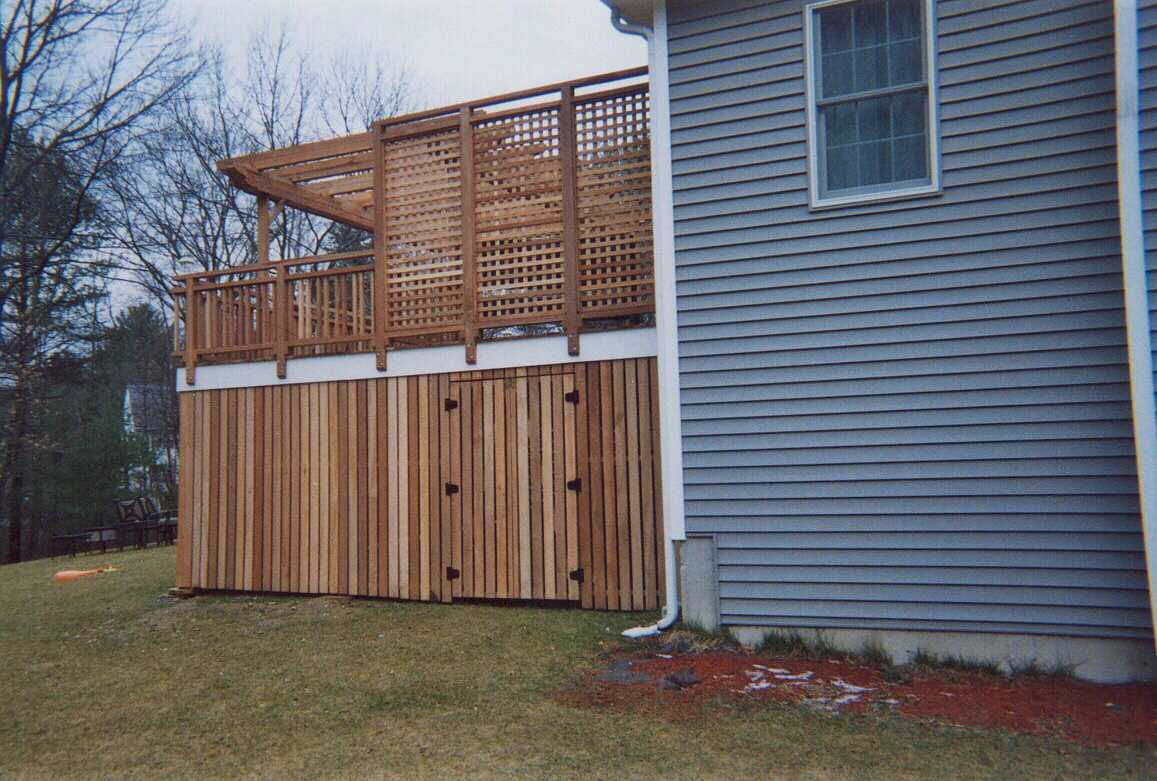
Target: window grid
{"type": "Point", "coordinates": [909, 158]}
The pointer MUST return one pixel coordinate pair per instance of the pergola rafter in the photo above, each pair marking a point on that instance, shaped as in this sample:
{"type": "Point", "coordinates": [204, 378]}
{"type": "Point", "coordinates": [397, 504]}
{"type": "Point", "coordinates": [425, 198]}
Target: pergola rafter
{"type": "Point", "coordinates": [331, 179]}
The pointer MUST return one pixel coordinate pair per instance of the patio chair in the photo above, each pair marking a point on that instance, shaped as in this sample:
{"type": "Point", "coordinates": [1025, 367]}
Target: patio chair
{"type": "Point", "coordinates": [165, 521]}
{"type": "Point", "coordinates": [131, 521]}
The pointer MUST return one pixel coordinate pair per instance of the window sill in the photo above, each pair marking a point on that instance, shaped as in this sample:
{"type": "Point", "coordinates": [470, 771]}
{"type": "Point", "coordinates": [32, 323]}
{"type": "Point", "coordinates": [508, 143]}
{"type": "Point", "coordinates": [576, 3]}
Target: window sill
{"type": "Point", "coordinates": [860, 199]}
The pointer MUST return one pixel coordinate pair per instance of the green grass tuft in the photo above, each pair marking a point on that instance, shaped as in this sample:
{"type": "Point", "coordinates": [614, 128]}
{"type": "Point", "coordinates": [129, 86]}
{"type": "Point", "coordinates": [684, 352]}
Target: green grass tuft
{"type": "Point", "coordinates": [873, 653]}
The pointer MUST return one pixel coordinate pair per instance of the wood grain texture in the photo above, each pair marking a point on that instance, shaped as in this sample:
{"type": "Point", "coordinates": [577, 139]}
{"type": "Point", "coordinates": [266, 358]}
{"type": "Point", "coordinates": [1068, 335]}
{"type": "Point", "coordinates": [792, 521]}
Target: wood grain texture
{"type": "Point", "coordinates": [341, 487]}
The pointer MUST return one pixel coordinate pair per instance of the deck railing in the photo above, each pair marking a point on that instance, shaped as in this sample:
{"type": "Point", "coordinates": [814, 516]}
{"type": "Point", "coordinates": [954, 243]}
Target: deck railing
{"type": "Point", "coordinates": [516, 211]}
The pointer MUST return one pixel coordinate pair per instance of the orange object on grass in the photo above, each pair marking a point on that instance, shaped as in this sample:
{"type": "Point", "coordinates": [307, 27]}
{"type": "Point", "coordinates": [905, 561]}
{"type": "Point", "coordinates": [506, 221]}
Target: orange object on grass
{"type": "Point", "coordinates": [76, 574]}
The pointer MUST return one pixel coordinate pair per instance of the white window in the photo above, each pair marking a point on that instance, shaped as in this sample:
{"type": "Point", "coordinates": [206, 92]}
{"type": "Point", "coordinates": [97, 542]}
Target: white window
{"type": "Point", "coordinates": [871, 92]}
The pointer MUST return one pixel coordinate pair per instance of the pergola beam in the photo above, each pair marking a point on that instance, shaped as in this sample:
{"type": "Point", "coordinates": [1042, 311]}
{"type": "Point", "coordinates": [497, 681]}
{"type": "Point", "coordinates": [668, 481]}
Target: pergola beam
{"type": "Point", "coordinates": [252, 181]}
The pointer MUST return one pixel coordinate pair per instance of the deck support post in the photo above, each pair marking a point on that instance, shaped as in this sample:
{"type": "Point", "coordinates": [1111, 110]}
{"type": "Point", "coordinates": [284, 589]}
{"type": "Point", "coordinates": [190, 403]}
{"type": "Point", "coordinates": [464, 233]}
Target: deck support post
{"type": "Point", "coordinates": [568, 158]}
{"type": "Point", "coordinates": [469, 267]}
{"type": "Point", "coordinates": [381, 303]}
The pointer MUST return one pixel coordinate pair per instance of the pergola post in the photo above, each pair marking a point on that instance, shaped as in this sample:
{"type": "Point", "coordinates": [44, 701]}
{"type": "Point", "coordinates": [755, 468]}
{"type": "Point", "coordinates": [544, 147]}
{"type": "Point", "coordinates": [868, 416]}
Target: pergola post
{"type": "Point", "coordinates": [568, 157]}
{"type": "Point", "coordinates": [381, 303]}
{"type": "Point", "coordinates": [265, 217]}
{"type": "Point", "coordinates": [469, 267]}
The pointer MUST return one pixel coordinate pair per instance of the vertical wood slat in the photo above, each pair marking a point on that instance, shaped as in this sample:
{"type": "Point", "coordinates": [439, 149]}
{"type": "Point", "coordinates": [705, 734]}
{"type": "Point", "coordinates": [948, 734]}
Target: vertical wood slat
{"type": "Point", "coordinates": [568, 159]}
{"type": "Point", "coordinates": [340, 487]}
{"type": "Point", "coordinates": [379, 445]}
{"type": "Point", "coordinates": [469, 244]}
{"type": "Point", "coordinates": [186, 453]}
{"type": "Point", "coordinates": [413, 503]}
{"type": "Point", "coordinates": [373, 562]}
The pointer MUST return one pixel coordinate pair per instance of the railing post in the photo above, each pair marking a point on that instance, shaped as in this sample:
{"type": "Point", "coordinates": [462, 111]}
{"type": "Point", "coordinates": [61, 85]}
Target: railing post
{"type": "Point", "coordinates": [381, 304]}
{"type": "Point", "coordinates": [469, 268]}
{"type": "Point", "coordinates": [280, 302]}
{"type": "Point", "coordinates": [568, 158]}
{"type": "Point", "coordinates": [281, 320]}
{"type": "Point", "coordinates": [190, 331]}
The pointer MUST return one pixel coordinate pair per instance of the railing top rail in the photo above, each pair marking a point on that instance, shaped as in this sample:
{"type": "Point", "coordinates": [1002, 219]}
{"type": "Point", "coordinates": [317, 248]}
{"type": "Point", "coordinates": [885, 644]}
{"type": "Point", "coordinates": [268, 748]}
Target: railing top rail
{"type": "Point", "coordinates": [274, 264]}
{"type": "Point", "coordinates": [509, 97]}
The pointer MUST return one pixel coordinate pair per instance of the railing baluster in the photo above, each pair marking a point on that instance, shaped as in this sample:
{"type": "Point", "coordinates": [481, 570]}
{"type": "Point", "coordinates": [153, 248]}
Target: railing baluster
{"type": "Point", "coordinates": [469, 267]}
{"type": "Point", "coordinates": [568, 158]}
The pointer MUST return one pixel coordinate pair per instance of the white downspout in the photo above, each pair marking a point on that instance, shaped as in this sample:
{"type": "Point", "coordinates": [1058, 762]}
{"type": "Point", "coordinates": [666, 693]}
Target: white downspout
{"type": "Point", "coordinates": [666, 323]}
{"type": "Point", "coordinates": [1137, 322]}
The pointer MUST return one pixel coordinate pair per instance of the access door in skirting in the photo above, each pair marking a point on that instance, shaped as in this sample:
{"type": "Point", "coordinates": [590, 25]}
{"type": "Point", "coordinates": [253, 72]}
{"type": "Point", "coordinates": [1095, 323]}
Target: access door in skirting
{"type": "Point", "coordinates": [514, 490]}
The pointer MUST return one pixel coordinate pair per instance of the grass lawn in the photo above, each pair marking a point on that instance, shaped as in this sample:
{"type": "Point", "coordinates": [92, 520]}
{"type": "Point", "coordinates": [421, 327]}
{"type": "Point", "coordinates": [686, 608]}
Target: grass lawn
{"type": "Point", "coordinates": [107, 677]}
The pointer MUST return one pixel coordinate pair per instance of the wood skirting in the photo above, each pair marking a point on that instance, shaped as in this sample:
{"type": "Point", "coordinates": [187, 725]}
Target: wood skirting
{"type": "Point", "coordinates": [529, 484]}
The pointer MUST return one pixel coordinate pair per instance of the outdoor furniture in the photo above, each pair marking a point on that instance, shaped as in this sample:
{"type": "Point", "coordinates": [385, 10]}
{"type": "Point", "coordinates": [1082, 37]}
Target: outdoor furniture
{"type": "Point", "coordinates": [132, 522]}
{"type": "Point", "coordinates": [139, 517]}
{"type": "Point", "coordinates": [164, 521]}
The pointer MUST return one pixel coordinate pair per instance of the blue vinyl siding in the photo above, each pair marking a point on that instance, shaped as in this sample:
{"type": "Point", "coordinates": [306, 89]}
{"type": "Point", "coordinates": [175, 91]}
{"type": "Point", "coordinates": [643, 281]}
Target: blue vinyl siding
{"type": "Point", "coordinates": [911, 414]}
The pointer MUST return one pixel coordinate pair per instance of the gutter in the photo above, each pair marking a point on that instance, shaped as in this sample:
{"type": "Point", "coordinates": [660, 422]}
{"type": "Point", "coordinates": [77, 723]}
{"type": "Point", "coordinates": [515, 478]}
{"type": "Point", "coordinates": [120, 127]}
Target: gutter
{"type": "Point", "coordinates": [666, 313]}
{"type": "Point", "coordinates": [1137, 321]}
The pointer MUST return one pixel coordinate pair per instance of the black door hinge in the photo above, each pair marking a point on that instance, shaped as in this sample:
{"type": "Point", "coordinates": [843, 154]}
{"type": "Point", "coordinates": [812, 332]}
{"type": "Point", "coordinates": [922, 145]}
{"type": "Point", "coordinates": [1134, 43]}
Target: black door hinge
{"type": "Point", "coordinates": [451, 489]}
{"type": "Point", "coordinates": [574, 485]}
{"type": "Point", "coordinates": [571, 396]}
{"type": "Point", "coordinates": [450, 404]}
{"type": "Point", "coordinates": [452, 574]}
{"type": "Point", "coordinates": [577, 575]}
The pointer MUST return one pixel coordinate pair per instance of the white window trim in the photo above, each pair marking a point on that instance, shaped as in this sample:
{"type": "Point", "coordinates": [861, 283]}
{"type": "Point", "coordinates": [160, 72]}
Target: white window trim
{"type": "Point", "coordinates": [923, 190]}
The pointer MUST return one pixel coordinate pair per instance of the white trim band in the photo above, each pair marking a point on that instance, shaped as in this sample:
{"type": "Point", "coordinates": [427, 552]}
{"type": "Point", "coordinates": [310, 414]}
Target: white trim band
{"type": "Point", "coordinates": [514, 354]}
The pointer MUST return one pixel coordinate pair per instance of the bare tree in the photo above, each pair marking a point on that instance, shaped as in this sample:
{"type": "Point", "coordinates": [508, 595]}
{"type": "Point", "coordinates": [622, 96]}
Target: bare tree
{"type": "Point", "coordinates": [78, 80]}
{"type": "Point", "coordinates": [172, 212]}
{"type": "Point", "coordinates": [175, 213]}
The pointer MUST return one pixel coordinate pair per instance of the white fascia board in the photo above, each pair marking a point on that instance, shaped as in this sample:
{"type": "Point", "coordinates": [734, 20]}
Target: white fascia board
{"type": "Point", "coordinates": [1137, 320]}
{"type": "Point", "coordinates": [513, 354]}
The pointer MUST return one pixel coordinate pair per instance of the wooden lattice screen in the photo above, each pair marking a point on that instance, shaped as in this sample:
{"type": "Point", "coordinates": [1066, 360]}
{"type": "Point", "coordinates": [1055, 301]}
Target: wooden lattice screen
{"type": "Point", "coordinates": [422, 235]}
{"type": "Point", "coordinates": [614, 205]}
{"type": "Point", "coordinates": [498, 216]}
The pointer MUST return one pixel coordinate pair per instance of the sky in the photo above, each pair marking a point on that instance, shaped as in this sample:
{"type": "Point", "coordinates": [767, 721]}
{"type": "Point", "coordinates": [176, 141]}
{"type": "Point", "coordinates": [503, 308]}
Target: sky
{"type": "Point", "coordinates": [455, 50]}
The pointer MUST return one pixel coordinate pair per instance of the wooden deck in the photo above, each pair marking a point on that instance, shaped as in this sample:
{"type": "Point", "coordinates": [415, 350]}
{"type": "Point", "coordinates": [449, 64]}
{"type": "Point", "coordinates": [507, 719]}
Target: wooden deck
{"type": "Point", "coordinates": [526, 212]}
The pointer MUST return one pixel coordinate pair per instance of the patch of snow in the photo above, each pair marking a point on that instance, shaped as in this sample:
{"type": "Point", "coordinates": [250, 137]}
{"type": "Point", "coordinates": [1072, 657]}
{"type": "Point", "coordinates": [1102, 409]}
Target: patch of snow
{"type": "Point", "coordinates": [842, 684]}
{"type": "Point", "coordinates": [804, 676]}
{"type": "Point", "coordinates": [773, 670]}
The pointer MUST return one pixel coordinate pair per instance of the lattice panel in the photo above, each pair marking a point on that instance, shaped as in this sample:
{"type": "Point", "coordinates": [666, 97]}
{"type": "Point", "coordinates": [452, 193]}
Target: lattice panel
{"type": "Point", "coordinates": [616, 253]}
{"type": "Point", "coordinates": [424, 230]}
{"type": "Point", "coordinates": [518, 207]}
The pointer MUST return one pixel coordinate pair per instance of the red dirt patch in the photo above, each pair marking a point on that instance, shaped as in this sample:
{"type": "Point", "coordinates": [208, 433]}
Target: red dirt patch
{"type": "Point", "coordinates": [1087, 713]}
